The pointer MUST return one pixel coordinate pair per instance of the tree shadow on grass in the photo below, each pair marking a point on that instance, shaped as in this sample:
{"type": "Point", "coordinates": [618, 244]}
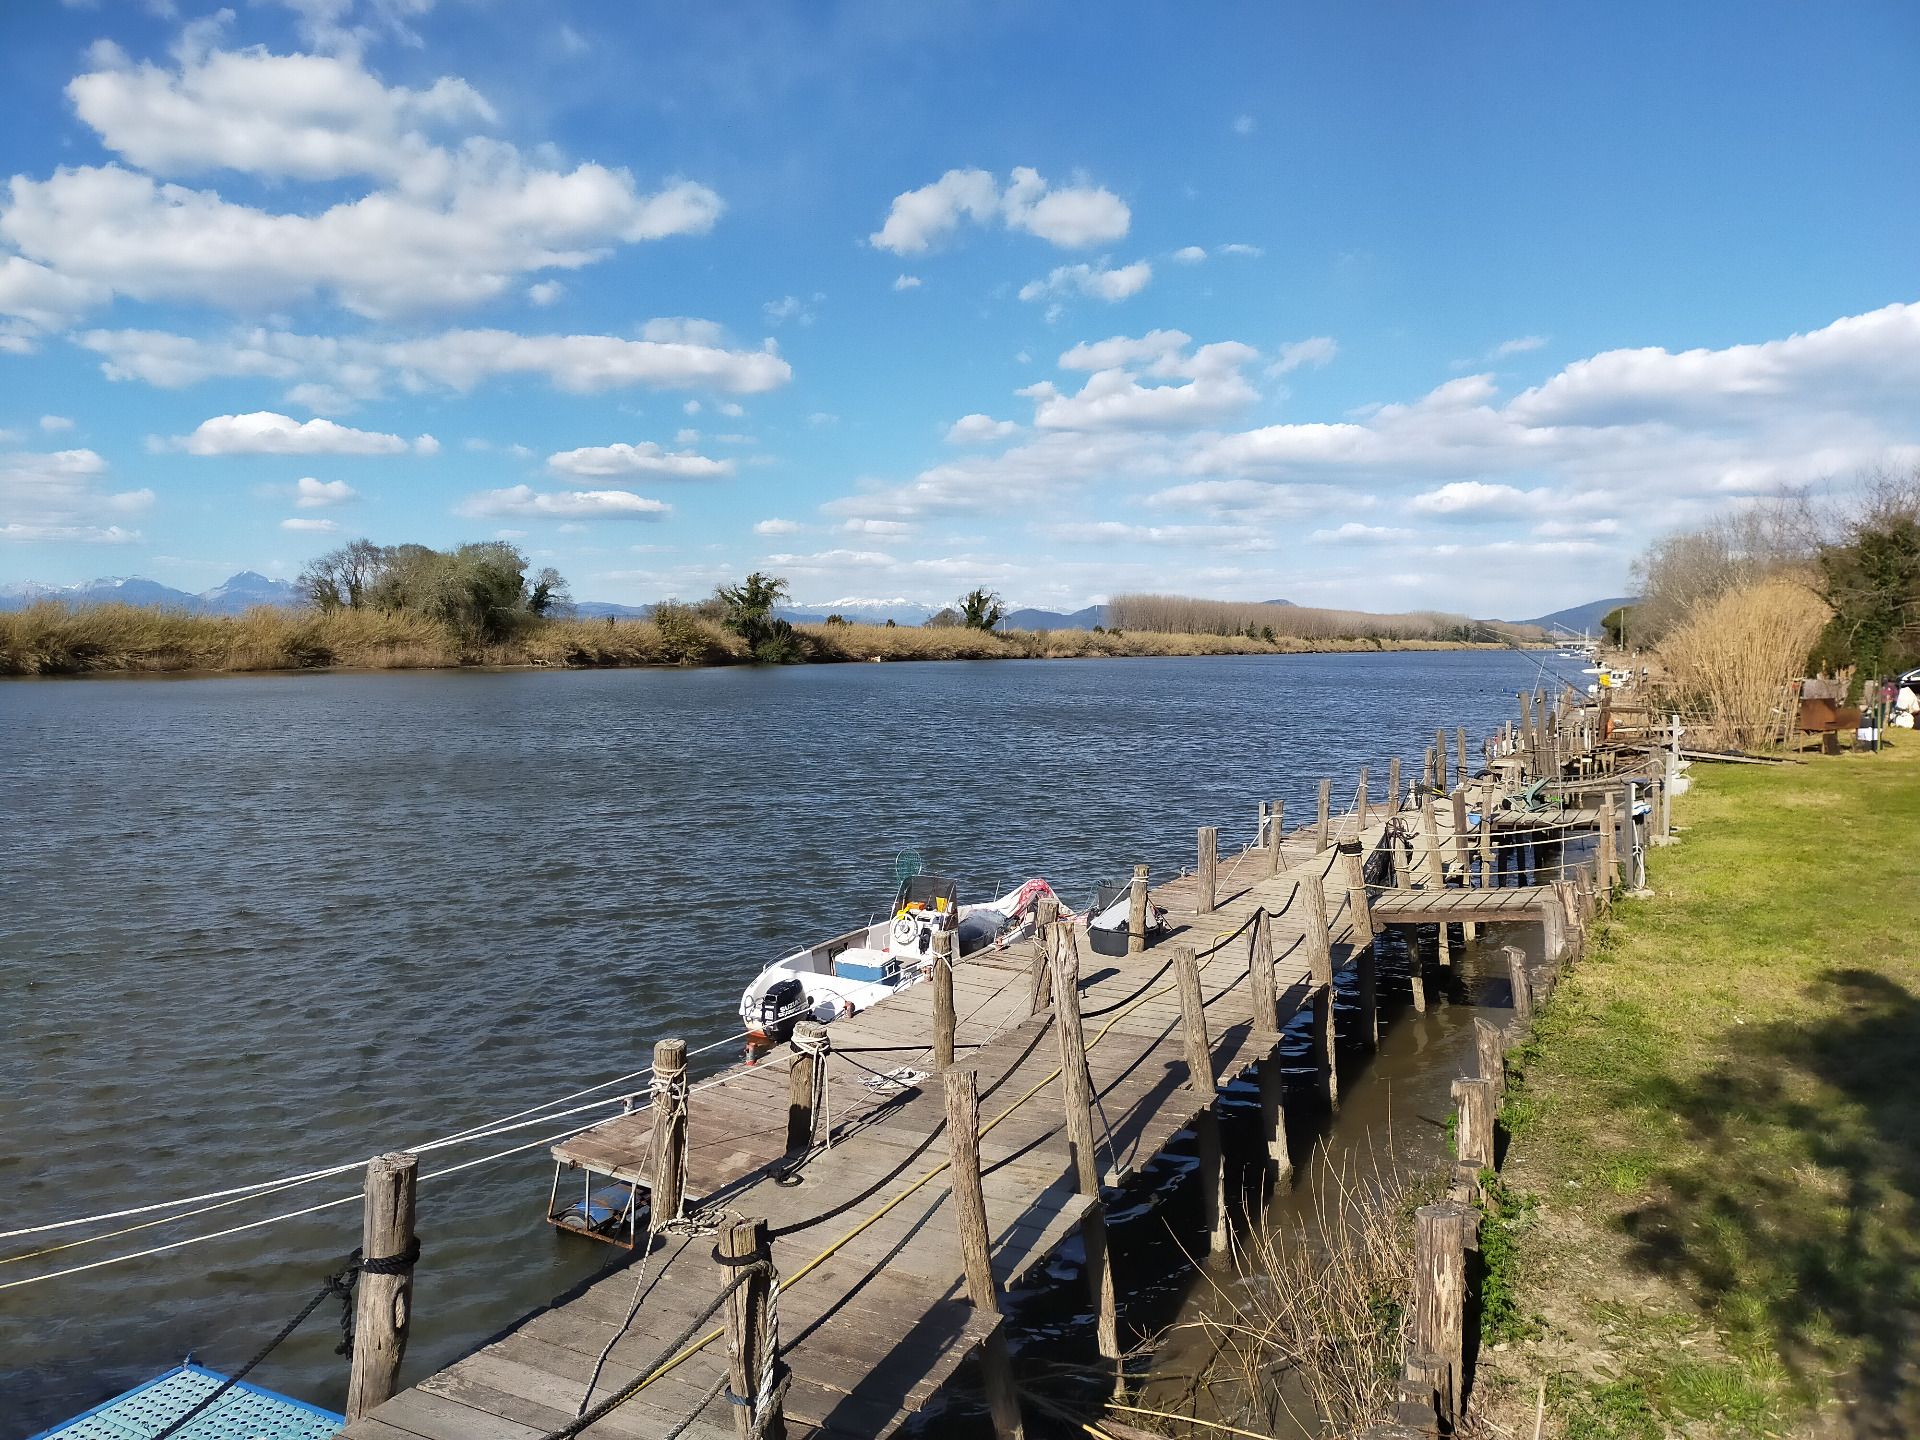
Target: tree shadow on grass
{"type": "Point", "coordinates": [1826, 1260]}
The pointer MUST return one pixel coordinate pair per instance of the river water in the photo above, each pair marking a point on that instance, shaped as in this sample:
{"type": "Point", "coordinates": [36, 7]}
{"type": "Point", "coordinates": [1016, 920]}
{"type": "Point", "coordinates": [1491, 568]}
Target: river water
{"type": "Point", "coordinates": [255, 925]}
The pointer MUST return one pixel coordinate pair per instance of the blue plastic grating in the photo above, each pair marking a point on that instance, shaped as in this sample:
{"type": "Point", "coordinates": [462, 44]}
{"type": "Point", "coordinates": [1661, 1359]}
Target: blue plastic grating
{"type": "Point", "coordinates": [246, 1412]}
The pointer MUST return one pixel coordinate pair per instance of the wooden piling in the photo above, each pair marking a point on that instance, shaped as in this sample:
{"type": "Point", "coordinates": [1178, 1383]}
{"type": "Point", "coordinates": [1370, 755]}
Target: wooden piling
{"type": "Point", "coordinates": [1313, 895]}
{"type": "Point", "coordinates": [810, 1041]}
{"type": "Point", "coordinates": [1077, 1087]}
{"type": "Point", "coordinates": [383, 1304]}
{"type": "Point", "coordinates": [1262, 994]}
{"type": "Point", "coordinates": [1264, 1019]}
{"type": "Point", "coordinates": [1460, 752]}
{"type": "Point", "coordinates": [1137, 912]}
{"type": "Point", "coordinates": [1360, 803]}
{"type": "Point", "coordinates": [753, 1335]}
{"type": "Point", "coordinates": [1199, 1054]}
{"type": "Point", "coordinates": [1440, 1299]}
{"type": "Point", "coordinates": [1360, 909]}
{"type": "Point", "coordinates": [1207, 870]}
{"type": "Point", "coordinates": [1440, 762]}
{"type": "Point", "coordinates": [976, 1254]}
{"type": "Point", "coordinates": [1393, 783]}
{"type": "Point", "coordinates": [1490, 1055]}
{"type": "Point", "coordinates": [668, 1172]}
{"type": "Point", "coordinates": [1473, 1131]}
{"type": "Point", "coordinates": [1518, 978]}
{"type": "Point", "coordinates": [1276, 832]}
{"type": "Point", "coordinates": [1484, 833]}
{"type": "Point", "coordinates": [1046, 914]}
{"type": "Point", "coordinates": [944, 1020]}
{"type": "Point", "coordinates": [1609, 845]}
{"type": "Point", "coordinates": [1326, 808]}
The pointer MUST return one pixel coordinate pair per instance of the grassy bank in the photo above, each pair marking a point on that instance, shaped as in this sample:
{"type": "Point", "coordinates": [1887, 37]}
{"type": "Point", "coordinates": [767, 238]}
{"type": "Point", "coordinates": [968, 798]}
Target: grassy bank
{"type": "Point", "coordinates": [1716, 1155]}
{"type": "Point", "coordinates": [56, 639]}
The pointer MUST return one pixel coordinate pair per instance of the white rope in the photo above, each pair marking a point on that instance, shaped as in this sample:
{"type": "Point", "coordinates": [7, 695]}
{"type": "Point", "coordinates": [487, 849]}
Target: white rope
{"type": "Point", "coordinates": [819, 1046]}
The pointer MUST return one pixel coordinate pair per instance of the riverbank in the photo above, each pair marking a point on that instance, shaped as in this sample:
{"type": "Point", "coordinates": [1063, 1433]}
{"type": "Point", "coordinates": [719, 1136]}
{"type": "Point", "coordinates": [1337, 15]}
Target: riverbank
{"type": "Point", "coordinates": [53, 639]}
{"type": "Point", "coordinates": [1716, 1144]}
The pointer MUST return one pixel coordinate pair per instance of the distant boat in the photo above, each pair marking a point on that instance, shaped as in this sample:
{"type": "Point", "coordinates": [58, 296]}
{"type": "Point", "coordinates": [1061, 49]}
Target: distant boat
{"type": "Point", "coordinates": [864, 967]}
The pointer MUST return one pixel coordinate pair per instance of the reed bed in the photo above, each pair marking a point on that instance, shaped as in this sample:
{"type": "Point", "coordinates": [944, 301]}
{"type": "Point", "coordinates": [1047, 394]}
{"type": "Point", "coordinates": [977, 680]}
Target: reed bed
{"type": "Point", "coordinates": [1183, 615]}
{"type": "Point", "coordinates": [1733, 659]}
{"type": "Point", "coordinates": [52, 638]}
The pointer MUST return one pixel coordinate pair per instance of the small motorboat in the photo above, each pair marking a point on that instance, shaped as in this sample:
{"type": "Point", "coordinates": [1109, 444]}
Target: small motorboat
{"type": "Point", "coordinates": [863, 967]}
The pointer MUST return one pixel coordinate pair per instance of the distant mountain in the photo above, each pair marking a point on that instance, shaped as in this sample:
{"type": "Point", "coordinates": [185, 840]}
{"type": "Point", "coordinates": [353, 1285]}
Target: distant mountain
{"type": "Point", "coordinates": [600, 609]}
{"type": "Point", "coordinates": [1053, 620]}
{"type": "Point", "coordinates": [1580, 619]}
{"type": "Point", "coordinates": [241, 592]}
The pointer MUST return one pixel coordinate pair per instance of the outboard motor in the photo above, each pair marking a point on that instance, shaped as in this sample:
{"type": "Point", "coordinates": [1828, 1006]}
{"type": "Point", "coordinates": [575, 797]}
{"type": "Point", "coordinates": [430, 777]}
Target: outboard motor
{"type": "Point", "coordinates": [780, 1007]}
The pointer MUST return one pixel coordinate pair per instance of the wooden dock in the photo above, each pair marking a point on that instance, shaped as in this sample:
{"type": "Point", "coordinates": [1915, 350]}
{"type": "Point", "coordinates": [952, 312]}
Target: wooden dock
{"type": "Point", "coordinates": [884, 1287]}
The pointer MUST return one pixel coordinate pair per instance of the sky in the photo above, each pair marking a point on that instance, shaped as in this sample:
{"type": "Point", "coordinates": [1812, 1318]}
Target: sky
{"type": "Point", "coordinates": [1388, 306]}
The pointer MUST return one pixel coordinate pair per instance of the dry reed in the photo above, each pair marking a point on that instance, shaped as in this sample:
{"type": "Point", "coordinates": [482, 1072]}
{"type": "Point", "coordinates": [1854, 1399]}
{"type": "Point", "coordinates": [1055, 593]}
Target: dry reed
{"type": "Point", "coordinates": [1183, 615]}
{"type": "Point", "coordinates": [1735, 655]}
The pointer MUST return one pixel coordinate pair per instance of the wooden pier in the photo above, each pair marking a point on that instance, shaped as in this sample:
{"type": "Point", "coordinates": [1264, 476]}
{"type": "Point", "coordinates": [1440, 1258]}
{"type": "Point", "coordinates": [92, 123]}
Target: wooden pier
{"type": "Point", "coordinates": [1086, 1067]}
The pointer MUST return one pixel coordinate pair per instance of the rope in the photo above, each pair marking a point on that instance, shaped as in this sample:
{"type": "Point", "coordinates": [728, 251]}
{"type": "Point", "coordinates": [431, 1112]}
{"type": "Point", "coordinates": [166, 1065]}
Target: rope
{"type": "Point", "coordinates": [818, 1046]}
{"type": "Point", "coordinates": [340, 1283]}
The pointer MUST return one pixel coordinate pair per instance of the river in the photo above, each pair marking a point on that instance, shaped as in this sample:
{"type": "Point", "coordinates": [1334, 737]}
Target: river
{"type": "Point", "coordinates": [256, 925]}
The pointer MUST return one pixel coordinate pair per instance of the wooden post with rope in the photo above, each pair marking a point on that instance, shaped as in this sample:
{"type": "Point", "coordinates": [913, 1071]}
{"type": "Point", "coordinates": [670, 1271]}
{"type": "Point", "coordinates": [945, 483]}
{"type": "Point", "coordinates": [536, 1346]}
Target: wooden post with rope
{"type": "Point", "coordinates": [1360, 909]}
{"type": "Point", "coordinates": [944, 1019]}
{"type": "Point", "coordinates": [1077, 1091]}
{"type": "Point", "coordinates": [1276, 830]}
{"type": "Point", "coordinates": [1264, 1022]}
{"type": "Point", "coordinates": [1485, 834]}
{"type": "Point", "coordinates": [1360, 803]}
{"type": "Point", "coordinates": [1313, 895]}
{"type": "Point", "coordinates": [1393, 784]}
{"type": "Point", "coordinates": [1326, 809]}
{"type": "Point", "coordinates": [1463, 855]}
{"type": "Point", "coordinates": [1046, 914]}
{"type": "Point", "coordinates": [753, 1333]}
{"type": "Point", "coordinates": [1206, 1126]}
{"type": "Point", "coordinates": [1460, 751]}
{"type": "Point", "coordinates": [383, 1304]}
{"type": "Point", "coordinates": [808, 1073]}
{"type": "Point", "coordinates": [1207, 869]}
{"type": "Point", "coordinates": [970, 1214]}
{"type": "Point", "coordinates": [1137, 912]}
{"type": "Point", "coordinates": [1440, 762]}
{"type": "Point", "coordinates": [668, 1173]}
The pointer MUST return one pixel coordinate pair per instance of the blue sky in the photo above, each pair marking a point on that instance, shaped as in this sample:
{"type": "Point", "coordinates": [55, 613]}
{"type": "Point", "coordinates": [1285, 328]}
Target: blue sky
{"type": "Point", "coordinates": [1386, 306]}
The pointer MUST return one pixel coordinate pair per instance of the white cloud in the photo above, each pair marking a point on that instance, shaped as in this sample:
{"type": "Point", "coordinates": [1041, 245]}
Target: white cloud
{"type": "Point", "coordinates": [1244, 125]}
{"type": "Point", "coordinates": [1317, 352]}
{"type": "Point", "coordinates": [312, 494]}
{"type": "Point", "coordinates": [266, 433]}
{"type": "Point", "coordinates": [1518, 346]}
{"type": "Point", "coordinates": [646, 458]}
{"type": "Point", "coordinates": [1190, 254]}
{"type": "Point", "coordinates": [563, 504]}
{"type": "Point", "coordinates": [1113, 397]}
{"type": "Point", "coordinates": [980, 430]}
{"type": "Point", "coordinates": [906, 282]}
{"type": "Point", "coordinates": [1095, 281]}
{"type": "Point", "coordinates": [60, 497]}
{"type": "Point", "coordinates": [787, 307]}
{"type": "Point", "coordinates": [309, 525]}
{"type": "Point", "coordinates": [1472, 497]}
{"type": "Point", "coordinates": [546, 292]}
{"type": "Point", "coordinates": [888, 528]}
{"type": "Point", "coordinates": [333, 372]}
{"type": "Point", "coordinates": [1071, 217]}
{"type": "Point", "coordinates": [1354, 533]}
{"type": "Point", "coordinates": [55, 423]}
{"type": "Point", "coordinates": [42, 298]}
{"type": "Point", "coordinates": [776, 527]}
{"type": "Point", "coordinates": [1251, 252]}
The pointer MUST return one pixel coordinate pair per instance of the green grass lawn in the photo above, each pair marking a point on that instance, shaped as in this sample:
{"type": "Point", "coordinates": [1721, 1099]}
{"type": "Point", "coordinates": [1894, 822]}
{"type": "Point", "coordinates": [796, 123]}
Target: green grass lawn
{"type": "Point", "coordinates": [1718, 1129]}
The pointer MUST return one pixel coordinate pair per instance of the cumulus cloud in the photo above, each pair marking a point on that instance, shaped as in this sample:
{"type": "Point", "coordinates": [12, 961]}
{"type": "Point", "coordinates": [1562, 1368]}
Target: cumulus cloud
{"type": "Point", "coordinates": [1071, 217]}
{"type": "Point", "coordinates": [1317, 352]}
{"type": "Point", "coordinates": [332, 373]}
{"type": "Point", "coordinates": [1244, 125]}
{"type": "Point", "coordinates": [646, 458]}
{"type": "Point", "coordinates": [980, 430]}
{"type": "Point", "coordinates": [264, 432]}
{"type": "Point", "coordinates": [1114, 397]}
{"type": "Point", "coordinates": [312, 494]}
{"type": "Point", "coordinates": [1251, 252]}
{"type": "Point", "coordinates": [524, 500]}
{"type": "Point", "coordinates": [62, 496]}
{"type": "Point", "coordinates": [443, 224]}
{"type": "Point", "coordinates": [788, 307]}
{"type": "Point", "coordinates": [43, 299]}
{"type": "Point", "coordinates": [1354, 533]}
{"type": "Point", "coordinates": [53, 424]}
{"type": "Point", "coordinates": [776, 526]}
{"type": "Point", "coordinates": [1473, 497]}
{"type": "Point", "coordinates": [1190, 254]}
{"type": "Point", "coordinates": [906, 282]}
{"type": "Point", "coordinates": [1097, 282]}
{"type": "Point", "coordinates": [1519, 345]}
{"type": "Point", "coordinates": [546, 292]}
{"type": "Point", "coordinates": [310, 525]}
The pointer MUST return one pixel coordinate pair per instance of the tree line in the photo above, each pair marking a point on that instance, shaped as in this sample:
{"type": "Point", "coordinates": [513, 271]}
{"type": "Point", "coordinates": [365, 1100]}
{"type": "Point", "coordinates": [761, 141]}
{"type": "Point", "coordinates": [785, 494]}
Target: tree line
{"type": "Point", "coordinates": [479, 591]}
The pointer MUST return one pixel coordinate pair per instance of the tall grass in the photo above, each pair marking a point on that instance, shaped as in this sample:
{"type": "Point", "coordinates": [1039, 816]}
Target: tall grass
{"type": "Point", "coordinates": [52, 638]}
{"type": "Point", "coordinates": [1734, 657]}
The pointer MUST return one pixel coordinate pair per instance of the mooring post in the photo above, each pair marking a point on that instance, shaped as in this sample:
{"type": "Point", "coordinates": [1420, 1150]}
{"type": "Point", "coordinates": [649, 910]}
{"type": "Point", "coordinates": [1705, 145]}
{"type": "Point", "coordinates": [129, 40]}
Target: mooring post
{"type": "Point", "coordinates": [1262, 994]}
{"type": "Point", "coordinates": [1313, 895]}
{"type": "Point", "coordinates": [1460, 751]}
{"type": "Point", "coordinates": [1473, 1132]}
{"type": "Point", "coordinates": [1206, 1125]}
{"type": "Point", "coordinates": [970, 1213]}
{"type": "Point", "coordinates": [944, 1019]}
{"type": "Point", "coordinates": [1490, 1055]}
{"type": "Point", "coordinates": [1609, 846]}
{"type": "Point", "coordinates": [1393, 783]}
{"type": "Point", "coordinates": [753, 1334]}
{"type": "Point", "coordinates": [1264, 1020]}
{"type": "Point", "coordinates": [1426, 775]}
{"type": "Point", "coordinates": [1463, 855]}
{"type": "Point", "coordinates": [811, 1044]}
{"type": "Point", "coordinates": [1485, 835]}
{"type": "Point", "coordinates": [1360, 908]}
{"type": "Point", "coordinates": [1360, 803]}
{"type": "Point", "coordinates": [1440, 761]}
{"type": "Point", "coordinates": [1076, 1084]}
{"type": "Point", "coordinates": [1137, 912]}
{"type": "Point", "coordinates": [1520, 981]}
{"type": "Point", "coordinates": [1276, 831]}
{"type": "Point", "coordinates": [1207, 871]}
{"type": "Point", "coordinates": [383, 1304]}
{"type": "Point", "coordinates": [1046, 914]}
{"type": "Point", "coordinates": [1440, 1299]}
{"type": "Point", "coordinates": [1326, 810]}
{"type": "Point", "coordinates": [667, 1176]}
